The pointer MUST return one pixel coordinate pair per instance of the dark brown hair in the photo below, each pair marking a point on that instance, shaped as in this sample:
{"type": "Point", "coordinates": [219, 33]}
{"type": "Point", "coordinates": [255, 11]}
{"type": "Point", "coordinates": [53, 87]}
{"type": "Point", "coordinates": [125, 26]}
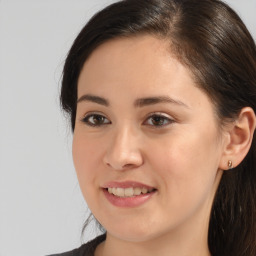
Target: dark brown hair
{"type": "Point", "coordinates": [211, 40]}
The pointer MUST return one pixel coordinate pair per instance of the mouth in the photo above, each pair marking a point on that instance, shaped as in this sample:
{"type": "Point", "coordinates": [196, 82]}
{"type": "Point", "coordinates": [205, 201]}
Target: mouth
{"type": "Point", "coordinates": [129, 192]}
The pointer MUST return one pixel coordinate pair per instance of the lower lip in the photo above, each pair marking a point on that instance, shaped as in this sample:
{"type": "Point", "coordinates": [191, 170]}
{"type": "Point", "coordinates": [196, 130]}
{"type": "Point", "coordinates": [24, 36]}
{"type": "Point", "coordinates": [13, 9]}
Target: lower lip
{"type": "Point", "coordinates": [133, 201]}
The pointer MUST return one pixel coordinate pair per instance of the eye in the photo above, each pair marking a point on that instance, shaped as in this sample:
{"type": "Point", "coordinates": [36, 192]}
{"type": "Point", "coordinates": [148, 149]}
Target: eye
{"type": "Point", "coordinates": [158, 120]}
{"type": "Point", "coordinates": [95, 120]}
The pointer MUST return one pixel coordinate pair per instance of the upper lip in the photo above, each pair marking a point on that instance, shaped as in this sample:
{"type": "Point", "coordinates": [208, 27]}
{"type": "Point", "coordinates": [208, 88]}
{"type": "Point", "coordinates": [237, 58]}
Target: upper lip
{"type": "Point", "coordinates": [126, 184]}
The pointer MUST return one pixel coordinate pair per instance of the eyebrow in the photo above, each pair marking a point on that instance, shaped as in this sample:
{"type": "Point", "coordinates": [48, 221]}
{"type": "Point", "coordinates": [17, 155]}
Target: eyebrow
{"type": "Point", "coordinates": [156, 100]}
{"type": "Point", "coordinates": [142, 102]}
{"type": "Point", "coordinates": [93, 98]}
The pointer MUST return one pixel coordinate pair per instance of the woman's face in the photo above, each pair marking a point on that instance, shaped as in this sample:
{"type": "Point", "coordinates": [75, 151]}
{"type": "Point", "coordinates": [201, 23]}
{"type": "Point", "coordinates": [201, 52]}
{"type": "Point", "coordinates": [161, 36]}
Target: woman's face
{"type": "Point", "coordinates": [146, 142]}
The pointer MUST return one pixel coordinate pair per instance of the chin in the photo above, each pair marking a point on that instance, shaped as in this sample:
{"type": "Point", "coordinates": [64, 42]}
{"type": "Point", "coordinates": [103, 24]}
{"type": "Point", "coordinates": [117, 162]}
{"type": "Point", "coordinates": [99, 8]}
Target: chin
{"type": "Point", "coordinates": [137, 233]}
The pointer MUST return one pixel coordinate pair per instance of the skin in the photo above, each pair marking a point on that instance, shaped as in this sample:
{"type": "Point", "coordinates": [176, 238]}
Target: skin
{"type": "Point", "coordinates": [182, 156]}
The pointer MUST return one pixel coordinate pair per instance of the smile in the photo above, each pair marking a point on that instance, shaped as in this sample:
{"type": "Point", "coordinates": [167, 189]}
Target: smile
{"type": "Point", "coordinates": [129, 192]}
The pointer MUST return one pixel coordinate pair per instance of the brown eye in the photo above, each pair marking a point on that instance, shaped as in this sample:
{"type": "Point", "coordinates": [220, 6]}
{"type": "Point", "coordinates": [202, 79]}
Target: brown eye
{"type": "Point", "coordinates": [158, 120]}
{"type": "Point", "coordinates": [95, 120]}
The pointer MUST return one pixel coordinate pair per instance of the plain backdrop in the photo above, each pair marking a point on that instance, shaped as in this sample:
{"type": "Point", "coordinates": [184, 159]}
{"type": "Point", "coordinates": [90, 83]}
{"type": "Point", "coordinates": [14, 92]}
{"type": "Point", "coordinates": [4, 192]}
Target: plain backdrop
{"type": "Point", "coordinates": [41, 207]}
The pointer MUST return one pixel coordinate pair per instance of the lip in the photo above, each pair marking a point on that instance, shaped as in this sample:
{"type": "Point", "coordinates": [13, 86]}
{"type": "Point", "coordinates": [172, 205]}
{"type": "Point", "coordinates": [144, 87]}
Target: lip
{"type": "Point", "coordinates": [128, 202]}
{"type": "Point", "coordinates": [126, 184]}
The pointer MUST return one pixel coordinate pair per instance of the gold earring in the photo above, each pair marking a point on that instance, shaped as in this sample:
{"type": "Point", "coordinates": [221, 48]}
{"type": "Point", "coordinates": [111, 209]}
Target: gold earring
{"type": "Point", "coordinates": [230, 165]}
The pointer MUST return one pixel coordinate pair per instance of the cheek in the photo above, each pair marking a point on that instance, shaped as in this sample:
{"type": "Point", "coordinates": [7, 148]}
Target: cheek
{"type": "Point", "coordinates": [86, 161]}
{"type": "Point", "coordinates": [188, 161]}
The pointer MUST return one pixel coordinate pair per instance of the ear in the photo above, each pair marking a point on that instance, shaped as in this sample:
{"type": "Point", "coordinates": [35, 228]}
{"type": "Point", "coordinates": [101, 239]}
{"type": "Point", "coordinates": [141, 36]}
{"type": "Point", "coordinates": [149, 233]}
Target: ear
{"type": "Point", "coordinates": [238, 139]}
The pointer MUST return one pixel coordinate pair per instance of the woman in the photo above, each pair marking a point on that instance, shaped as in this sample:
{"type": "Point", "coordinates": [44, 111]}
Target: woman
{"type": "Point", "coordinates": [162, 100]}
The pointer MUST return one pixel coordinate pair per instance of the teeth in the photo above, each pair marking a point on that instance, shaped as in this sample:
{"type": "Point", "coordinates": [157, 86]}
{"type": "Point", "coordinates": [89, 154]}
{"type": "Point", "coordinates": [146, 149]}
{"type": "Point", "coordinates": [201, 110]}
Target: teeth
{"type": "Point", "coordinates": [144, 191]}
{"type": "Point", "coordinates": [120, 192]}
{"type": "Point", "coordinates": [137, 191]}
{"type": "Point", "coordinates": [128, 192]}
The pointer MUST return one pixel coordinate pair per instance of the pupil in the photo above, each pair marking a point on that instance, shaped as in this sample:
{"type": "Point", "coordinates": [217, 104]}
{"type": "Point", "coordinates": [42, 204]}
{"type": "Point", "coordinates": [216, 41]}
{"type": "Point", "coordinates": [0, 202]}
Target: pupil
{"type": "Point", "coordinates": [158, 120]}
{"type": "Point", "coordinates": [98, 119]}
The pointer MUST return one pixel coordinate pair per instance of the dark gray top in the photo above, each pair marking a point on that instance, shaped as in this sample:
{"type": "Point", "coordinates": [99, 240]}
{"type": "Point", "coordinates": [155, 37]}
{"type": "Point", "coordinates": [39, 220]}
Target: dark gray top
{"type": "Point", "coordinates": [86, 249]}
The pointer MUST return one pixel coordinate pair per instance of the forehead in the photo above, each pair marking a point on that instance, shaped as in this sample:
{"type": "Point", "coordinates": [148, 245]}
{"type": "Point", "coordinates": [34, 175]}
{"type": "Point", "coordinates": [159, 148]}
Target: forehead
{"type": "Point", "coordinates": [136, 60]}
{"type": "Point", "coordinates": [140, 45]}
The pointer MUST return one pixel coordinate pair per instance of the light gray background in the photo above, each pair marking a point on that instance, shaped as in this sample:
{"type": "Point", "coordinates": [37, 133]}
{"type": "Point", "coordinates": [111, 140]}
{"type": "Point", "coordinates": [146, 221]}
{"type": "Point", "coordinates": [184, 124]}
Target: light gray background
{"type": "Point", "coordinates": [41, 207]}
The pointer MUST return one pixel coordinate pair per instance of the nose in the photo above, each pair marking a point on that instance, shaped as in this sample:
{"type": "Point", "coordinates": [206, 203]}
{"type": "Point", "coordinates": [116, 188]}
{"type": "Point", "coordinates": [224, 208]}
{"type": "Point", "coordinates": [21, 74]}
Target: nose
{"type": "Point", "coordinates": [123, 151]}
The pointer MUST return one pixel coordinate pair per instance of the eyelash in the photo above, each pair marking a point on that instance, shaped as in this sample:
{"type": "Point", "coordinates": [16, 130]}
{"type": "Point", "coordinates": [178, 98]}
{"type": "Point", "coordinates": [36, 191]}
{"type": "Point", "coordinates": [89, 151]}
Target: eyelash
{"type": "Point", "coordinates": [164, 120]}
{"type": "Point", "coordinates": [159, 117]}
{"type": "Point", "coordinates": [87, 121]}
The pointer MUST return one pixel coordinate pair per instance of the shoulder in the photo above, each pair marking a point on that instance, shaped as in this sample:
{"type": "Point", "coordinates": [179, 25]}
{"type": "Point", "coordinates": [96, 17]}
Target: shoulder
{"type": "Point", "coordinates": [86, 249]}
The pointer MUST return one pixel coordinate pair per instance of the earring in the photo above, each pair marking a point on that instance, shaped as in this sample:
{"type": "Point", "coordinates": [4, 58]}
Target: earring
{"type": "Point", "coordinates": [230, 164]}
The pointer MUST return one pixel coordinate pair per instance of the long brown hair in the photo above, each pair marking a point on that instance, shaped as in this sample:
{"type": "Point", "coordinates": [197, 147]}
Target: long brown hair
{"type": "Point", "coordinates": [211, 40]}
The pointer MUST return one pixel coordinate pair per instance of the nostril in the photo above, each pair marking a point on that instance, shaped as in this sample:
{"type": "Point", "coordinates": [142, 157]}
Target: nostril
{"type": "Point", "coordinates": [126, 166]}
{"type": "Point", "coordinates": [123, 159]}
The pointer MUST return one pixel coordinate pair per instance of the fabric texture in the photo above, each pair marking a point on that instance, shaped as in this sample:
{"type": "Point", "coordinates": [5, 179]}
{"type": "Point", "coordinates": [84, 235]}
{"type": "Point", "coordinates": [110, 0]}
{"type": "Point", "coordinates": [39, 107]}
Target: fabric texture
{"type": "Point", "coordinates": [87, 249]}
